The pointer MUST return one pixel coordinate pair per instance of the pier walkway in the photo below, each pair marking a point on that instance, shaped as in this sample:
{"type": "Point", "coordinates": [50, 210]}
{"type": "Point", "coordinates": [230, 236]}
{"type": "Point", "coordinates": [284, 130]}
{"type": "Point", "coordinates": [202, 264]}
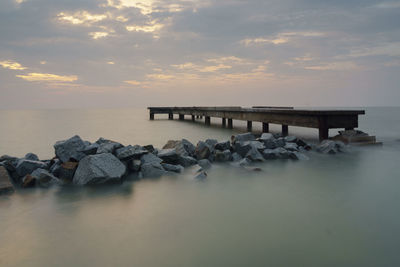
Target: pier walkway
{"type": "Point", "coordinates": [323, 120]}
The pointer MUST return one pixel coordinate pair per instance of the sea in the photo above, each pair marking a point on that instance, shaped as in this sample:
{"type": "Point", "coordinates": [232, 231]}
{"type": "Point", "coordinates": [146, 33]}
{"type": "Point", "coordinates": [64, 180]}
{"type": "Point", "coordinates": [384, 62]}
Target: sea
{"type": "Point", "coordinates": [330, 210]}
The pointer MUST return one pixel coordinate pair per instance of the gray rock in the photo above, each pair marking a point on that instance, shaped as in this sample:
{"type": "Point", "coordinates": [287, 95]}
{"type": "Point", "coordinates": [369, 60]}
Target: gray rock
{"type": "Point", "coordinates": [98, 169]}
{"type": "Point", "coordinates": [242, 148]}
{"type": "Point", "coordinates": [256, 144]}
{"type": "Point", "coordinates": [281, 153]}
{"type": "Point", "coordinates": [130, 152]}
{"type": "Point", "coordinates": [187, 161]}
{"type": "Point", "coordinates": [90, 149]}
{"type": "Point", "coordinates": [202, 175]}
{"type": "Point", "coordinates": [252, 169]}
{"type": "Point", "coordinates": [152, 170]}
{"type": "Point", "coordinates": [203, 150]}
{"type": "Point", "coordinates": [149, 148]}
{"type": "Point", "coordinates": [254, 155]}
{"type": "Point", "coordinates": [31, 156]}
{"type": "Point", "coordinates": [223, 145]}
{"type": "Point", "coordinates": [270, 144]}
{"type": "Point", "coordinates": [223, 156]}
{"type": "Point", "coordinates": [44, 178]}
{"type": "Point", "coordinates": [149, 158]}
{"type": "Point", "coordinates": [298, 156]}
{"type": "Point", "coordinates": [55, 167]}
{"type": "Point", "coordinates": [108, 147]}
{"type": "Point", "coordinates": [269, 154]}
{"type": "Point", "coordinates": [301, 143]}
{"type": "Point", "coordinates": [266, 137]}
{"type": "Point", "coordinates": [211, 143]}
{"type": "Point", "coordinates": [204, 163]}
{"type": "Point", "coordinates": [135, 164]}
{"type": "Point", "coordinates": [183, 147]}
{"type": "Point", "coordinates": [290, 139]}
{"type": "Point", "coordinates": [172, 168]}
{"type": "Point", "coordinates": [243, 137]}
{"type": "Point", "coordinates": [291, 147]}
{"type": "Point", "coordinates": [241, 163]}
{"type": "Point", "coordinates": [236, 157]}
{"type": "Point", "coordinates": [280, 142]}
{"type": "Point", "coordinates": [327, 147]}
{"type": "Point", "coordinates": [25, 166]}
{"type": "Point", "coordinates": [169, 155]}
{"type": "Point", "coordinates": [70, 149]}
{"type": "Point", "coordinates": [67, 171]}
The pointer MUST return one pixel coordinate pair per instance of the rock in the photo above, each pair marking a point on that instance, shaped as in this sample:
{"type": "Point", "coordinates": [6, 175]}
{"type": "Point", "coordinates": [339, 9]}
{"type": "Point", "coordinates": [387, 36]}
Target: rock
{"type": "Point", "coordinates": [269, 154]}
{"type": "Point", "coordinates": [223, 145]}
{"type": "Point", "coordinates": [44, 178]}
{"type": "Point", "coordinates": [211, 143]}
{"type": "Point", "coordinates": [241, 163]}
{"type": "Point", "coordinates": [202, 175]}
{"type": "Point", "coordinates": [25, 166]}
{"type": "Point", "coordinates": [281, 153]}
{"type": "Point", "coordinates": [6, 187]}
{"type": "Point", "coordinates": [135, 164]}
{"type": "Point", "coordinates": [242, 148]}
{"type": "Point", "coordinates": [300, 142]}
{"type": "Point", "coordinates": [108, 147]}
{"type": "Point", "coordinates": [223, 156]}
{"type": "Point", "coordinates": [280, 142]}
{"type": "Point", "coordinates": [172, 168]}
{"type": "Point", "coordinates": [236, 157]}
{"type": "Point", "coordinates": [130, 152]}
{"type": "Point", "coordinates": [252, 169]}
{"type": "Point", "coordinates": [327, 147]}
{"type": "Point", "coordinates": [270, 144]}
{"type": "Point", "coordinates": [266, 137]}
{"type": "Point", "coordinates": [204, 163]}
{"type": "Point", "coordinates": [298, 156]}
{"type": "Point", "coordinates": [31, 156]}
{"type": "Point", "coordinates": [152, 169]}
{"type": "Point", "coordinates": [187, 161]}
{"type": "Point", "coordinates": [67, 171]}
{"type": "Point", "coordinates": [70, 149]}
{"type": "Point", "coordinates": [149, 148]}
{"type": "Point", "coordinates": [149, 158]}
{"type": "Point", "coordinates": [90, 149]}
{"type": "Point", "coordinates": [256, 144]}
{"type": "Point", "coordinates": [28, 181]}
{"type": "Point", "coordinates": [169, 155]}
{"type": "Point", "coordinates": [290, 139]}
{"type": "Point", "coordinates": [183, 147]}
{"type": "Point", "coordinates": [203, 150]}
{"type": "Point", "coordinates": [170, 144]}
{"type": "Point", "coordinates": [243, 137]}
{"type": "Point", "coordinates": [291, 147]}
{"type": "Point", "coordinates": [98, 169]}
{"type": "Point", "coordinates": [10, 163]}
{"type": "Point", "coordinates": [254, 154]}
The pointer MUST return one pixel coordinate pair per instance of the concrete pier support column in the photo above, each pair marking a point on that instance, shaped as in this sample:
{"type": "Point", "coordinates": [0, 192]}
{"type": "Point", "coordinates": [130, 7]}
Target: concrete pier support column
{"type": "Point", "coordinates": [265, 127]}
{"type": "Point", "coordinates": [151, 116]}
{"type": "Point", "coordinates": [230, 123]}
{"type": "Point", "coordinates": [323, 129]}
{"type": "Point", "coordinates": [285, 130]}
{"type": "Point", "coordinates": [181, 117]}
{"type": "Point", "coordinates": [249, 126]}
{"type": "Point", "coordinates": [207, 120]}
{"type": "Point", "coordinates": [170, 116]}
{"type": "Point", "coordinates": [224, 122]}
{"type": "Point", "coordinates": [193, 118]}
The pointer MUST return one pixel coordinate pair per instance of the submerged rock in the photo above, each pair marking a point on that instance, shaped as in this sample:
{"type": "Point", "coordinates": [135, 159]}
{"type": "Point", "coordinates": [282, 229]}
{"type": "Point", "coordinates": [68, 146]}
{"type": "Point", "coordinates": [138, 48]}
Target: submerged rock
{"type": "Point", "coordinates": [98, 169]}
{"type": "Point", "coordinates": [201, 175]}
{"type": "Point", "coordinates": [331, 147]}
{"type": "Point", "coordinates": [45, 178]}
{"type": "Point", "coordinates": [223, 156]}
{"type": "Point", "coordinates": [298, 156]}
{"type": "Point", "coordinates": [204, 163]}
{"type": "Point", "coordinates": [187, 161]}
{"type": "Point", "coordinates": [70, 149]}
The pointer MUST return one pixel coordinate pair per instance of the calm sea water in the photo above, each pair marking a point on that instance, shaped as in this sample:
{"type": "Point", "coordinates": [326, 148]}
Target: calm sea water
{"type": "Point", "coordinates": [337, 210]}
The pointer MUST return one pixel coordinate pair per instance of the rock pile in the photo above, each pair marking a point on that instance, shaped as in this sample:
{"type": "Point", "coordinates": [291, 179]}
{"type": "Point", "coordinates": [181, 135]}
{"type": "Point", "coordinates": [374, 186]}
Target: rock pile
{"type": "Point", "coordinates": [79, 162]}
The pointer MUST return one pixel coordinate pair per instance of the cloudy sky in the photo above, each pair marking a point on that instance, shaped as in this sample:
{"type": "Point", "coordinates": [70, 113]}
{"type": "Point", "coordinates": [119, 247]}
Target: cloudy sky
{"type": "Point", "coordinates": [127, 53]}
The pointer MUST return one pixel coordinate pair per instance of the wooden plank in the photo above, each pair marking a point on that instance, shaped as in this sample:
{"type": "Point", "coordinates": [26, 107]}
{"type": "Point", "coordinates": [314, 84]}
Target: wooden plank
{"type": "Point", "coordinates": [5, 182]}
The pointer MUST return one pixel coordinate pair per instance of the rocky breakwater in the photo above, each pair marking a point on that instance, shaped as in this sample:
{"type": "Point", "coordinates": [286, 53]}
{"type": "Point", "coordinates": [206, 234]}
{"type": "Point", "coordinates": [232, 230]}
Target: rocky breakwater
{"type": "Point", "coordinates": [79, 162]}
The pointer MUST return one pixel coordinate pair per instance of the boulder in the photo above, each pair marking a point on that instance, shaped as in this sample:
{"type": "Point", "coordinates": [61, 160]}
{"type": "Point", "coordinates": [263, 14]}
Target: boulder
{"type": "Point", "coordinates": [211, 143]}
{"type": "Point", "coordinates": [298, 156]}
{"type": "Point", "coordinates": [266, 137]}
{"type": "Point", "coordinates": [187, 161]}
{"type": "Point", "coordinates": [135, 164]}
{"type": "Point", "coordinates": [329, 147]}
{"type": "Point", "coordinates": [28, 181]}
{"type": "Point", "coordinates": [90, 149]}
{"type": "Point", "coordinates": [203, 150]}
{"type": "Point", "coordinates": [149, 148]}
{"type": "Point", "coordinates": [236, 157]}
{"type": "Point", "coordinates": [152, 170]}
{"type": "Point", "coordinates": [201, 175]}
{"type": "Point", "coordinates": [70, 149]}
{"type": "Point", "coordinates": [291, 147]}
{"type": "Point", "coordinates": [169, 155]}
{"type": "Point", "coordinates": [204, 163]}
{"type": "Point", "coordinates": [280, 142]}
{"type": "Point", "coordinates": [243, 137]}
{"type": "Point", "coordinates": [241, 163]}
{"type": "Point", "coordinates": [98, 169]}
{"type": "Point", "coordinates": [281, 153]}
{"type": "Point", "coordinates": [67, 171]}
{"type": "Point", "coordinates": [172, 168]}
{"type": "Point", "coordinates": [223, 145]}
{"type": "Point", "coordinates": [254, 155]}
{"type": "Point", "coordinates": [269, 154]}
{"type": "Point", "coordinates": [130, 152]}
{"type": "Point", "coordinates": [108, 147]}
{"type": "Point", "coordinates": [44, 178]}
{"type": "Point", "coordinates": [31, 156]}
{"type": "Point", "coordinates": [223, 156]}
{"type": "Point", "coordinates": [290, 139]}
{"type": "Point", "coordinates": [182, 147]}
{"type": "Point", "coordinates": [242, 148]}
{"type": "Point", "coordinates": [25, 166]}
{"type": "Point", "coordinates": [148, 158]}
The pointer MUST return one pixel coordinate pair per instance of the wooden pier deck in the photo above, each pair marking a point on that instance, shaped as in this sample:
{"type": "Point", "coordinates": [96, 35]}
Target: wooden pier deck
{"type": "Point", "coordinates": [323, 120]}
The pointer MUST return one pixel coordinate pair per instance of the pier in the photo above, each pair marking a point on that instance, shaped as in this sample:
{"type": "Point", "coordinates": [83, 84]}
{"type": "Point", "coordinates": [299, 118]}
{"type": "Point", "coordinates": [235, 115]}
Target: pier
{"type": "Point", "coordinates": [323, 120]}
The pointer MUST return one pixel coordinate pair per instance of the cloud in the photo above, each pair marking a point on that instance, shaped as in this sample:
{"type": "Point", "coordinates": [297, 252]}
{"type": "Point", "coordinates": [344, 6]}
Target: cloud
{"type": "Point", "coordinates": [12, 65]}
{"type": "Point", "coordinates": [388, 49]}
{"type": "Point", "coordinates": [133, 82]}
{"type": "Point", "coordinates": [281, 38]}
{"type": "Point", "coordinates": [152, 27]}
{"type": "Point", "coordinates": [47, 77]}
{"type": "Point", "coordinates": [98, 35]}
{"type": "Point", "coordinates": [81, 17]}
{"type": "Point", "coordinates": [335, 66]}
{"type": "Point", "coordinates": [387, 5]}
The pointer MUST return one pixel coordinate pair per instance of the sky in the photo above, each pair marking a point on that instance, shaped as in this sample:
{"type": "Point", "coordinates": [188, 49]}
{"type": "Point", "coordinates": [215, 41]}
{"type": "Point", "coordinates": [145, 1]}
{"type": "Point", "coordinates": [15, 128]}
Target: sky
{"type": "Point", "coordinates": [137, 53]}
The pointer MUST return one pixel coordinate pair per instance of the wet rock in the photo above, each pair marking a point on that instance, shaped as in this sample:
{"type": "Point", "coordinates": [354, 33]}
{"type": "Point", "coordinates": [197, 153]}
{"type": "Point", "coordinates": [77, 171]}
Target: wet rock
{"type": "Point", "coordinates": [6, 187]}
{"type": "Point", "coordinates": [25, 166]}
{"type": "Point", "coordinates": [109, 147]}
{"type": "Point", "coordinates": [242, 148]}
{"type": "Point", "coordinates": [31, 156]}
{"type": "Point", "coordinates": [28, 181]}
{"type": "Point", "coordinates": [203, 150]}
{"type": "Point", "coordinates": [291, 147]}
{"type": "Point", "coordinates": [280, 142]}
{"type": "Point", "coordinates": [169, 155]}
{"type": "Point", "coordinates": [152, 170]}
{"type": "Point", "coordinates": [266, 137]}
{"type": "Point", "coordinates": [298, 156]}
{"type": "Point", "coordinates": [243, 137]}
{"type": "Point", "coordinates": [269, 154]}
{"type": "Point", "coordinates": [67, 170]}
{"type": "Point", "coordinates": [254, 154]}
{"type": "Point", "coordinates": [187, 161]}
{"type": "Point", "coordinates": [241, 163]}
{"type": "Point", "coordinates": [331, 147]}
{"type": "Point", "coordinates": [130, 152]}
{"type": "Point", "coordinates": [98, 169]}
{"type": "Point", "coordinates": [290, 139]}
{"type": "Point", "coordinates": [252, 169]}
{"type": "Point", "coordinates": [70, 149]}
{"type": "Point", "coordinates": [149, 158]}
{"type": "Point", "coordinates": [236, 157]}
{"type": "Point", "coordinates": [211, 143]}
{"type": "Point", "coordinates": [226, 145]}
{"type": "Point", "coordinates": [223, 156]}
{"type": "Point", "coordinates": [182, 147]}
{"type": "Point", "coordinates": [90, 149]}
{"type": "Point", "coordinates": [44, 178]}
{"type": "Point", "coordinates": [172, 168]}
{"type": "Point", "coordinates": [202, 175]}
{"type": "Point", "coordinates": [281, 153]}
{"type": "Point", "coordinates": [135, 164]}
{"type": "Point", "coordinates": [10, 163]}
{"type": "Point", "coordinates": [204, 163]}
{"type": "Point", "coordinates": [149, 148]}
